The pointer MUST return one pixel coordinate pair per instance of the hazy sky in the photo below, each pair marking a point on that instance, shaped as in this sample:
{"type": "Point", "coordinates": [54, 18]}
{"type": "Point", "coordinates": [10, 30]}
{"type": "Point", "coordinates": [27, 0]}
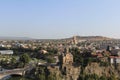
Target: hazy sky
{"type": "Point", "coordinates": [59, 18]}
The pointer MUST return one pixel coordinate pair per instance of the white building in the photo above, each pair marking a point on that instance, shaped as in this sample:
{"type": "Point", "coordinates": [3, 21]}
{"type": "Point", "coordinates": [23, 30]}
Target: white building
{"type": "Point", "coordinates": [114, 60]}
{"type": "Point", "coordinates": [6, 52]}
{"type": "Point", "coordinates": [1, 45]}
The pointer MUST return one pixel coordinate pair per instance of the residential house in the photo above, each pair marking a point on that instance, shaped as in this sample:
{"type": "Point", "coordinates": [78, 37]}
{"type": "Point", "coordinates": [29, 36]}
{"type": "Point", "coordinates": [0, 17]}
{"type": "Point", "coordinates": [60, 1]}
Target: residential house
{"type": "Point", "coordinates": [115, 59]}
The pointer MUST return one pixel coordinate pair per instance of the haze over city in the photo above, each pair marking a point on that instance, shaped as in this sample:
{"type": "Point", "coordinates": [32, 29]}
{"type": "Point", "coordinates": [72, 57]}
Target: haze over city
{"type": "Point", "coordinates": [45, 19]}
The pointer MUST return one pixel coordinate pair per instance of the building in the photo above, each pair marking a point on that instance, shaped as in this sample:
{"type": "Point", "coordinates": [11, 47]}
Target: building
{"type": "Point", "coordinates": [67, 58]}
{"type": "Point", "coordinates": [115, 52]}
{"type": "Point", "coordinates": [74, 40]}
{"type": "Point", "coordinates": [6, 52]}
{"type": "Point", "coordinates": [115, 59]}
{"type": "Point", "coordinates": [1, 45]}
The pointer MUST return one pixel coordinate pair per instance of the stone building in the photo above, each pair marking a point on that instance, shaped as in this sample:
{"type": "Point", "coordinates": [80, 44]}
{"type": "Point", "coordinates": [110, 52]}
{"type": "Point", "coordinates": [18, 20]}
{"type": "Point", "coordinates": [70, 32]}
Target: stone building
{"type": "Point", "coordinates": [65, 69]}
{"type": "Point", "coordinates": [69, 71]}
{"type": "Point", "coordinates": [74, 39]}
{"type": "Point", "coordinates": [67, 58]}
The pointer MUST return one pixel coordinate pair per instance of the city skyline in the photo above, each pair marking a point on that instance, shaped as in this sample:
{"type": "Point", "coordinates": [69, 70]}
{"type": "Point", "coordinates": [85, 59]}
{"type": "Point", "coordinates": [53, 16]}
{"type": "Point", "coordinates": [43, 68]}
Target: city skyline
{"type": "Point", "coordinates": [59, 19]}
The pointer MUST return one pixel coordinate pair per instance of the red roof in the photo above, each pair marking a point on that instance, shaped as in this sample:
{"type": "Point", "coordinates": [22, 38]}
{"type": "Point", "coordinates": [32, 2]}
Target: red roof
{"type": "Point", "coordinates": [114, 56]}
{"type": "Point", "coordinates": [97, 55]}
{"type": "Point", "coordinates": [100, 55]}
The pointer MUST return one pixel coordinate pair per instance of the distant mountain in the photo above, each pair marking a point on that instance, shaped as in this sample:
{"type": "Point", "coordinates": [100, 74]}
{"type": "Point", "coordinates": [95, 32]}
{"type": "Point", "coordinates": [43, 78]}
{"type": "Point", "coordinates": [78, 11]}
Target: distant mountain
{"type": "Point", "coordinates": [14, 38]}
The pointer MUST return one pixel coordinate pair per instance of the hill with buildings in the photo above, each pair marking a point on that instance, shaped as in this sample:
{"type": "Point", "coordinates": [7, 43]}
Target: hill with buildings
{"type": "Point", "coordinates": [89, 38]}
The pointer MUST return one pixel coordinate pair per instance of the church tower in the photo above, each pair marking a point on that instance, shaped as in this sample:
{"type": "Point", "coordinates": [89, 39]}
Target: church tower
{"type": "Point", "coordinates": [68, 57]}
{"type": "Point", "coordinates": [75, 40]}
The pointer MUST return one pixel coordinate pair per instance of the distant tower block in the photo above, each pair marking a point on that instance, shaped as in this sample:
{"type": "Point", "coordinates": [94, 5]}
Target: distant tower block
{"type": "Point", "coordinates": [74, 39]}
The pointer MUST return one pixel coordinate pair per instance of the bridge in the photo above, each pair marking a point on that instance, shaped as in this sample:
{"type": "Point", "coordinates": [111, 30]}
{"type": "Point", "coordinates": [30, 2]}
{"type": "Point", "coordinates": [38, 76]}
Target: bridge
{"type": "Point", "coordinates": [18, 71]}
{"type": "Point", "coordinates": [11, 72]}
{"type": "Point", "coordinates": [21, 71]}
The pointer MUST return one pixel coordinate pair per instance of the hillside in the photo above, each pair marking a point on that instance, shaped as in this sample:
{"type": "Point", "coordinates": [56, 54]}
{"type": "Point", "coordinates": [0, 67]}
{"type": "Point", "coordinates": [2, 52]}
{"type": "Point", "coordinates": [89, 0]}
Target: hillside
{"type": "Point", "coordinates": [90, 38]}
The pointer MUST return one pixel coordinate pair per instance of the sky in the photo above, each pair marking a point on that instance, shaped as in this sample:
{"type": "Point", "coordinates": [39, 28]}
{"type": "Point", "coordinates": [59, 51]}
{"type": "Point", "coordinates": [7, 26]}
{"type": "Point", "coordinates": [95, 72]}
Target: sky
{"type": "Point", "coordinates": [48, 19]}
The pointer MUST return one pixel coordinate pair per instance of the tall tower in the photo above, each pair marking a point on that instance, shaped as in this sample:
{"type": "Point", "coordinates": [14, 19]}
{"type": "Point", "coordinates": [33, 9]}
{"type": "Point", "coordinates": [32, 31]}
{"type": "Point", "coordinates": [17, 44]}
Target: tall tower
{"type": "Point", "coordinates": [74, 39]}
{"type": "Point", "coordinates": [68, 57]}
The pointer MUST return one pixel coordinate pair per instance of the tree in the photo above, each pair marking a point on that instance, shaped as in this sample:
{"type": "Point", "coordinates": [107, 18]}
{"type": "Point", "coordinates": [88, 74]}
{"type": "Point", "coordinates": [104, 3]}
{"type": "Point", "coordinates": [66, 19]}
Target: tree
{"type": "Point", "coordinates": [91, 77]}
{"type": "Point", "coordinates": [40, 77]}
{"type": "Point", "coordinates": [50, 60]}
{"type": "Point", "coordinates": [24, 58]}
{"type": "Point", "coordinates": [112, 77]}
{"type": "Point", "coordinates": [108, 48]}
{"type": "Point", "coordinates": [40, 73]}
{"type": "Point", "coordinates": [103, 78]}
{"type": "Point", "coordinates": [13, 60]}
{"type": "Point", "coordinates": [52, 77]}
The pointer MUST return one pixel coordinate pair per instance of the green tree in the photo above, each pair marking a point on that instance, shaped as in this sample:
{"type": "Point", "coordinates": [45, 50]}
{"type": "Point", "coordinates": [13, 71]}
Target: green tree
{"type": "Point", "coordinates": [40, 77]}
{"type": "Point", "coordinates": [108, 48]}
{"type": "Point", "coordinates": [91, 77]}
{"type": "Point", "coordinates": [50, 60]}
{"type": "Point", "coordinates": [103, 78]}
{"type": "Point", "coordinates": [52, 77]}
{"type": "Point", "coordinates": [24, 58]}
{"type": "Point", "coordinates": [40, 73]}
{"type": "Point", "coordinates": [112, 78]}
{"type": "Point", "coordinates": [13, 60]}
